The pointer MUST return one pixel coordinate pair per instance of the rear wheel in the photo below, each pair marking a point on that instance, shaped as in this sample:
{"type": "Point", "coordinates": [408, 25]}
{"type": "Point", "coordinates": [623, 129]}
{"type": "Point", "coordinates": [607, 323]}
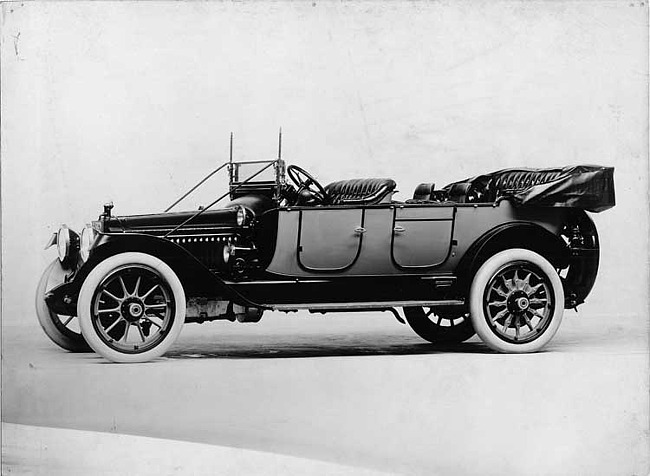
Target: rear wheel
{"type": "Point", "coordinates": [131, 307]}
{"type": "Point", "coordinates": [63, 330]}
{"type": "Point", "coordinates": [516, 301]}
{"type": "Point", "coordinates": [440, 326]}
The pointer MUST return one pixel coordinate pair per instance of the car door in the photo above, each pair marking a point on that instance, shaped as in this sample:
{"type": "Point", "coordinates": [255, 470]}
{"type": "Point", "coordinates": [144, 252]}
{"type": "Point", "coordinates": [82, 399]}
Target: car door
{"type": "Point", "coordinates": [329, 238]}
{"type": "Point", "coordinates": [421, 235]}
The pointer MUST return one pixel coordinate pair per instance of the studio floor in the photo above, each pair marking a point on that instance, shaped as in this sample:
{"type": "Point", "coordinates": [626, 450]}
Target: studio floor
{"type": "Point", "coordinates": [358, 390]}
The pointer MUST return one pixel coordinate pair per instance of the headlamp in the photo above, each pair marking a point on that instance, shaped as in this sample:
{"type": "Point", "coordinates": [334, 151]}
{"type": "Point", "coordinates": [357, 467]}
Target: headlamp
{"type": "Point", "coordinates": [63, 243]}
{"type": "Point", "coordinates": [88, 235]}
{"type": "Point", "coordinates": [67, 245]}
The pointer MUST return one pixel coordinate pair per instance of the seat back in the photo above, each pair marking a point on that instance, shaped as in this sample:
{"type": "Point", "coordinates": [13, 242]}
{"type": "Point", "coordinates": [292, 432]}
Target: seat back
{"type": "Point", "coordinates": [360, 191]}
{"type": "Point", "coordinates": [423, 192]}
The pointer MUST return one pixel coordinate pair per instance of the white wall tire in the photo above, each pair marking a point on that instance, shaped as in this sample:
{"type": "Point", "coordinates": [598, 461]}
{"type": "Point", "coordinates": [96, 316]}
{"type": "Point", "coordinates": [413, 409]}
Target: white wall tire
{"type": "Point", "coordinates": [131, 308]}
{"type": "Point", "coordinates": [516, 301]}
{"type": "Point", "coordinates": [60, 329]}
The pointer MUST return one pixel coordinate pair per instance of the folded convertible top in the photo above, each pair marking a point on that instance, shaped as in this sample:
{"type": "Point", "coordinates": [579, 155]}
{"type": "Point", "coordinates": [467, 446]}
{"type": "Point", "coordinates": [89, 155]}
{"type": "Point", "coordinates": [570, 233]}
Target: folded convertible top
{"type": "Point", "coordinates": [589, 187]}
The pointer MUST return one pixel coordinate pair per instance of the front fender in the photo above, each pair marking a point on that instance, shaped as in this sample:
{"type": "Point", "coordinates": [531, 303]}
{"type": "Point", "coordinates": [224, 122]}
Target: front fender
{"type": "Point", "coordinates": [57, 278]}
{"type": "Point", "coordinates": [197, 280]}
{"type": "Point", "coordinates": [56, 275]}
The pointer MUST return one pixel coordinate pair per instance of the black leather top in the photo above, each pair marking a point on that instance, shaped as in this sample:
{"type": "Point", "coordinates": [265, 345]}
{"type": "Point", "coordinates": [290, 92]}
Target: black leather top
{"type": "Point", "coordinates": [590, 187]}
{"type": "Point", "coordinates": [360, 191]}
{"type": "Point", "coordinates": [489, 187]}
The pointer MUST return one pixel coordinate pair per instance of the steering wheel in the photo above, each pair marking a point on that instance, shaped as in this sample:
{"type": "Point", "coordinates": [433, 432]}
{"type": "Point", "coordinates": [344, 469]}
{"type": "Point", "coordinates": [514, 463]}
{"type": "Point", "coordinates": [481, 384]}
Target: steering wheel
{"type": "Point", "coordinates": [304, 181]}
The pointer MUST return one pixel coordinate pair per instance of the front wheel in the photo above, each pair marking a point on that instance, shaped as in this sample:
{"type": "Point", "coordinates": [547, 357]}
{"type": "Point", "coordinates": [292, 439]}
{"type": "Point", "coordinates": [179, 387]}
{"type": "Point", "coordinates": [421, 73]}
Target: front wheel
{"type": "Point", "coordinates": [62, 330]}
{"type": "Point", "coordinates": [131, 307]}
{"type": "Point", "coordinates": [516, 301]}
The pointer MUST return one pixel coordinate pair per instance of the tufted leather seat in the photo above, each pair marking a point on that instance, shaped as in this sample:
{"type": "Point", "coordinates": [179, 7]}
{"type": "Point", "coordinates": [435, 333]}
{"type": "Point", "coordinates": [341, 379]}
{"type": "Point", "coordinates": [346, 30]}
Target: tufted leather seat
{"type": "Point", "coordinates": [360, 191]}
{"type": "Point", "coordinates": [516, 179]}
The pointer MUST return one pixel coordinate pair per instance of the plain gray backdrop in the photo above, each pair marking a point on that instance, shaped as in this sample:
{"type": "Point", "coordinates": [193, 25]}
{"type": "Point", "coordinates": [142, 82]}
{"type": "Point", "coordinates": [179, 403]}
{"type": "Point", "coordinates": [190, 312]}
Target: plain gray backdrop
{"type": "Point", "coordinates": [134, 102]}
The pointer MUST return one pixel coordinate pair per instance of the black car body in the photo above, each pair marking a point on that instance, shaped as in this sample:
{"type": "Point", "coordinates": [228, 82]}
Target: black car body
{"type": "Point", "coordinates": [500, 254]}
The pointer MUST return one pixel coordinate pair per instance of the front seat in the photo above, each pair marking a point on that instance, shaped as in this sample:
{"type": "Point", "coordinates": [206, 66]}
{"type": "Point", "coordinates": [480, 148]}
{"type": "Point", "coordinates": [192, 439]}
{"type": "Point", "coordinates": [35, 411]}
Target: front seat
{"type": "Point", "coordinates": [422, 193]}
{"type": "Point", "coordinates": [361, 191]}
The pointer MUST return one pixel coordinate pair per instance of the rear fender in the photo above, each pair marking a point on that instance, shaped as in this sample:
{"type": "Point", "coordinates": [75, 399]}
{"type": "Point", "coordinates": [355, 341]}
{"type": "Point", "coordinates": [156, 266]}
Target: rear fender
{"type": "Point", "coordinates": [511, 235]}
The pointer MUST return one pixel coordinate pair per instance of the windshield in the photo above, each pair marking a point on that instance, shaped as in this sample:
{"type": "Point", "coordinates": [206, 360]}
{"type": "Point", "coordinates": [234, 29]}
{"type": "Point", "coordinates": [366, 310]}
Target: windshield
{"type": "Point", "coordinates": [263, 177]}
{"type": "Point", "coordinates": [243, 171]}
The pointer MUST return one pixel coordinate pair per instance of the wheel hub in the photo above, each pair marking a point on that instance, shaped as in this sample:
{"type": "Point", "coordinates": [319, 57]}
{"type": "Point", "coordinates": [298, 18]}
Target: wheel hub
{"type": "Point", "coordinates": [523, 303]}
{"type": "Point", "coordinates": [132, 309]}
{"type": "Point", "coordinates": [518, 302]}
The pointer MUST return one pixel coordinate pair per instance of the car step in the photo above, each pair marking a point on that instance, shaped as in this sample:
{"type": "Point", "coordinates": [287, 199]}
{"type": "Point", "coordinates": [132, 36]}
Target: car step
{"type": "Point", "coordinates": [344, 306]}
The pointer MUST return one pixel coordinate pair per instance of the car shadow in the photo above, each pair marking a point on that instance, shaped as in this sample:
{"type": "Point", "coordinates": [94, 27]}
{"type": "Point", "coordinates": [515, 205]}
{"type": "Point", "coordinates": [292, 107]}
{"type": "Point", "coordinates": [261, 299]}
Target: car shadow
{"type": "Point", "coordinates": [316, 346]}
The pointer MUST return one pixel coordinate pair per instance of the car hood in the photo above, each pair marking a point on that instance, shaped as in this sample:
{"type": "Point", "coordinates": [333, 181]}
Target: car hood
{"type": "Point", "coordinates": [158, 221]}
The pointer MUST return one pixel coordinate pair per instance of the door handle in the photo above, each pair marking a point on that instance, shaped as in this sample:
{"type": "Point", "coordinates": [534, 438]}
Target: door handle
{"type": "Point", "coordinates": [399, 229]}
{"type": "Point", "coordinates": [359, 230]}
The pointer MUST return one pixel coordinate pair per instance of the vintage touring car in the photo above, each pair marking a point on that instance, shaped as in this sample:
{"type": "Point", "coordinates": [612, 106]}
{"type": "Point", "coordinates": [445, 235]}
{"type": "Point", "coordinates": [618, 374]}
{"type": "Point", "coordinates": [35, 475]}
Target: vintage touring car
{"type": "Point", "coordinates": [500, 255]}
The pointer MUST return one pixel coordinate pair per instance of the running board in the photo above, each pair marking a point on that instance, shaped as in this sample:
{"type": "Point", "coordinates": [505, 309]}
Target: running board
{"type": "Point", "coordinates": [348, 306]}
